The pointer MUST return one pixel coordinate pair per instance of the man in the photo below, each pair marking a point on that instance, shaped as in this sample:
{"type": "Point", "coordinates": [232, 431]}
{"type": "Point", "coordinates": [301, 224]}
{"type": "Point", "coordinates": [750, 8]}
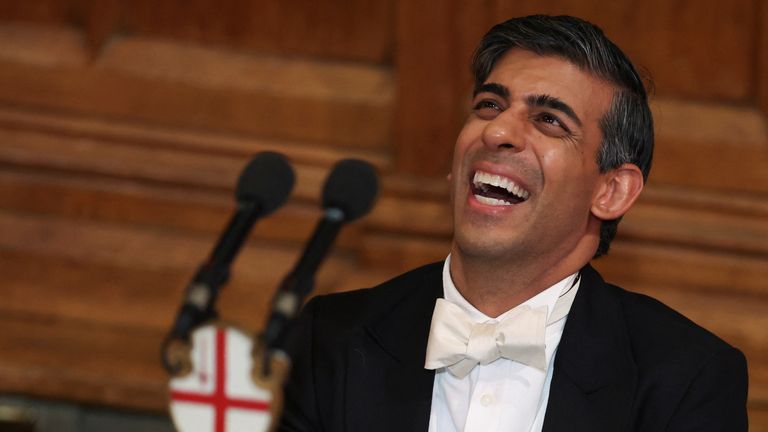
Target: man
{"type": "Point", "coordinates": [515, 331]}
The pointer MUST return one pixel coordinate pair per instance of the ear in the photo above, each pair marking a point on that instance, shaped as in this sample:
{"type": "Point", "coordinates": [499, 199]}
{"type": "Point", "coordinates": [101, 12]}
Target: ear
{"type": "Point", "coordinates": [618, 190]}
{"type": "Point", "coordinates": [449, 177]}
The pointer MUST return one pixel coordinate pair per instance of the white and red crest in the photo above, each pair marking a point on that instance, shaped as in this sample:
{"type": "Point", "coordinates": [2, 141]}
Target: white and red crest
{"type": "Point", "coordinates": [219, 395]}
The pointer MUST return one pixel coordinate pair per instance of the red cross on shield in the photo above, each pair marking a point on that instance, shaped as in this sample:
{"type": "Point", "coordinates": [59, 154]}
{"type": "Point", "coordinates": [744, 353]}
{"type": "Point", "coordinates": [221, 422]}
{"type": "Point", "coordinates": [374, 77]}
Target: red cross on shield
{"type": "Point", "coordinates": [219, 395]}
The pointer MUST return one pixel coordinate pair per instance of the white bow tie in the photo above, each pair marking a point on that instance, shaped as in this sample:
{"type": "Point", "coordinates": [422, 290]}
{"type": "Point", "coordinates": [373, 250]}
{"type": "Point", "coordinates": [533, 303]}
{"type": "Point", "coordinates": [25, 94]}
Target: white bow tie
{"type": "Point", "coordinates": [457, 343]}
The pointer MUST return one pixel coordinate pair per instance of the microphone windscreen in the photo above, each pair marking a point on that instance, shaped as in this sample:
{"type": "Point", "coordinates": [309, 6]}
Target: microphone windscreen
{"type": "Point", "coordinates": [351, 187]}
{"type": "Point", "coordinates": [267, 180]}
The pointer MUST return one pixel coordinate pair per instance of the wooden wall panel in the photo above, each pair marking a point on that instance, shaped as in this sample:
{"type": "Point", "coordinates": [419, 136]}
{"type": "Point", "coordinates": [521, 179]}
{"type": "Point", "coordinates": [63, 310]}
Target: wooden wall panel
{"type": "Point", "coordinates": [344, 29]}
{"type": "Point", "coordinates": [710, 145]}
{"type": "Point", "coordinates": [175, 84]}
{"type": "Point", "coordinates": [94, 355]}
{"type": "Point", "coordinates": [90, 274]}
{"type": "Point", "coordinates": [762, 57]}
{"type": "Point", "coordinates": [427, 70]}
{"type": "Point", "coordinates": [435, 44]}
{"type": "Point", "coordinates": [693, 49]}
{"type": "Point", "coordinates": [357, 30]}
{"type": "Point", "coordinates": [123, 126]}
{"type": "Point", "coordinates": [42, 11]}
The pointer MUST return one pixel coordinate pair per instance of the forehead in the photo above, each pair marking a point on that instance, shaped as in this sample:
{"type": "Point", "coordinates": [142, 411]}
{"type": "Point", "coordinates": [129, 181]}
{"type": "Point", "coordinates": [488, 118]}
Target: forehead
{"type": "Point", "coordinates": [526, 73]}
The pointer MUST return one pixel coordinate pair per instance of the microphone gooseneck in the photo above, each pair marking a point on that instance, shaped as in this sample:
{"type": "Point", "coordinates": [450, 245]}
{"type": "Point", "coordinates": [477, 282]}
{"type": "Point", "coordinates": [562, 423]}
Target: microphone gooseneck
{"type": "Point", "coordinates": [349, 193]}
{"type": "Point", "coordinates": [263, 186]}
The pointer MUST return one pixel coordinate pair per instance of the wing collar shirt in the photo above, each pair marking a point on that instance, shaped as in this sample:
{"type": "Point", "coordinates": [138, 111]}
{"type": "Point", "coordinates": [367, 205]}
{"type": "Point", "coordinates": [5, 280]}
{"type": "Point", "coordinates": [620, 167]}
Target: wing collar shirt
{"type": "Point", "coordinates": [503, 395]}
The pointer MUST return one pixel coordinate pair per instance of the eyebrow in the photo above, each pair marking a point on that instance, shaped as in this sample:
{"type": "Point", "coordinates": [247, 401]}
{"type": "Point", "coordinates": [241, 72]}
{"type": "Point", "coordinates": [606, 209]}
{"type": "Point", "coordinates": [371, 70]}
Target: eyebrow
{"type": "Point", "coordinates": [494, 88]}
{"type": "Point", "coordinates": [547, 101]}
{"type": "Point", "coordinates": [536, 100]}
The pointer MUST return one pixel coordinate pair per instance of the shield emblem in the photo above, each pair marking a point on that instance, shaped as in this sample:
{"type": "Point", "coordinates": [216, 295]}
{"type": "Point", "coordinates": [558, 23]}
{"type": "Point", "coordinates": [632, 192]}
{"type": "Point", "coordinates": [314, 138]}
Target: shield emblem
{"type": "Point", "coordinates": [218, 395]}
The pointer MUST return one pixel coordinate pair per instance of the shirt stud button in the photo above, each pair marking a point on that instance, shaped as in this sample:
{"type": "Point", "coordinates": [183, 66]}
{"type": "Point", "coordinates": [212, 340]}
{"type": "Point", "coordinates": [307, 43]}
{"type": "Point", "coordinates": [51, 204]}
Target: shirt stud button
{"type": "Point", "coordinates": [486, 400]}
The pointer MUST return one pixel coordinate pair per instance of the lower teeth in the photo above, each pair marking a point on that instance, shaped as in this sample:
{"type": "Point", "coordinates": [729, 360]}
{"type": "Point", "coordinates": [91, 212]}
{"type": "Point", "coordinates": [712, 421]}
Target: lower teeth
{"type": "Point", "coordinates": [491, 201]}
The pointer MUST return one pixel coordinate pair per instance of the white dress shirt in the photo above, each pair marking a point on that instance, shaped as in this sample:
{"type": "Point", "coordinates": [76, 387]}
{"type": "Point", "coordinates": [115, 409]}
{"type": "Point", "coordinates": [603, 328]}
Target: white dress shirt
{"type": "Point", "coordinates": [503, 395]}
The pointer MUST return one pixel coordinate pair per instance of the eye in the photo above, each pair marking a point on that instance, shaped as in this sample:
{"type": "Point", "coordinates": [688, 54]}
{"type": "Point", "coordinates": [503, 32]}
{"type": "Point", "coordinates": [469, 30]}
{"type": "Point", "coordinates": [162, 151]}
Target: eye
{"type": "Point", "coordinates": [550, 124]}
{"type": "Point", "coordinates": [550, 119]}
{"type": "Point", "coordinates": [487, 109]}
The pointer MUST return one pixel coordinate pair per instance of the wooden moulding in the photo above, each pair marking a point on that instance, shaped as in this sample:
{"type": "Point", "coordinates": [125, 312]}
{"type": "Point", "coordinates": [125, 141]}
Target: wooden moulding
{"type": "Point", "coordinates": [68, 125]}
{"type": "Point", "coordinates": [128, 161]}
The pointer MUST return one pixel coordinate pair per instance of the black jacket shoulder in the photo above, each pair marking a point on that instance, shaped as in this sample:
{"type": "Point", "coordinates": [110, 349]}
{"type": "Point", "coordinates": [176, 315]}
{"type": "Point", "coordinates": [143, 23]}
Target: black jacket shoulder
{"type": "Point", "coordinates": [365, 306]}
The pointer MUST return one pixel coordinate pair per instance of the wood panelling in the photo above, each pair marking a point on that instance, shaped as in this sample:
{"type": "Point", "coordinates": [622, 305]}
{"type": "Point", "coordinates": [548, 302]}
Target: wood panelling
{"type": "Point", "coordinates": [70, 127]}
{"type": "Point", "coordinates": [740, 126]}
{"type": "Point", "coordinates": [102, 364]}
{"type": "Point", "coordinates": [102, 19]}
{"type": "Point", "coordinates": [123, 276]}
{"type": "Point", "coordinates": [357, 30]}
{"type": "Point", "coordinates": [123, 126]}
{"type": "Point", "coordinates": [758, 419]}
{"type": "Point", "coordinates": [761, 59]}
{"type": "Point", "coordinates": [426, 70]}
{"type": "Point", "coordinates": [693, 49]}
{"type": "Point", "coordinates": [172, 84]}
{"type": "Point", "coordinates": [42, 11]}
{"type": "Point", "coordinates": [435, 43]}
{"type": "Point", "coordinates": [704, 228]}
{"type": "Point", "coordinates": [346, 29]}
{"type": "Point", "coordinates": [712, 146]}
{"type": "Point", "coordinates": [688, 269]}
{"type": "Point", "coordinates": [121, 160]}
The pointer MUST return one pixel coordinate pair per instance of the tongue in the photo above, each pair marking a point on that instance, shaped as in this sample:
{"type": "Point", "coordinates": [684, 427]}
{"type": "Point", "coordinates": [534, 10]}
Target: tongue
{"type": "Point", "coordinates": [497, 193]}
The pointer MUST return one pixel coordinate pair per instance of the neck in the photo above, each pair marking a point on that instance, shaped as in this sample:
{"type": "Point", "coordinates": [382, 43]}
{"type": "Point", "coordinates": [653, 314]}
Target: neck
{"type": "Point", "coordinates": [495, 285]}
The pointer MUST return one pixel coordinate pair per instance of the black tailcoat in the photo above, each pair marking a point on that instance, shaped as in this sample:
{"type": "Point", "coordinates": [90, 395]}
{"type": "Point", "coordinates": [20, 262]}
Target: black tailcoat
{"type": "Point", "coordinates": [625, 362]}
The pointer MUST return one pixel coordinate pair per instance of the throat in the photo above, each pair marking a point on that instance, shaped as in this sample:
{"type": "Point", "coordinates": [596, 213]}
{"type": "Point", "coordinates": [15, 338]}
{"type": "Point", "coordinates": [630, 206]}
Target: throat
{"type": "Point", "coordinates": [490, 286]}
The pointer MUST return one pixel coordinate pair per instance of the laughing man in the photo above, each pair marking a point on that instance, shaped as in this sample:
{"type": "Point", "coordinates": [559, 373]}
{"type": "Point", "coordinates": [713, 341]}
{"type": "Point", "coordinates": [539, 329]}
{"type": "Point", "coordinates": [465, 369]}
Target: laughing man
{"type": "Point", "coordinates": [515, 331]}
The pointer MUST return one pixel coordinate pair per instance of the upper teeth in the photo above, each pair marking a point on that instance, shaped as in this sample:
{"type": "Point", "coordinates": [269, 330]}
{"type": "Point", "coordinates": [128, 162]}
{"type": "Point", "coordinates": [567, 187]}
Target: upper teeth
{"type": "Point", "coordinates": [499, 181]}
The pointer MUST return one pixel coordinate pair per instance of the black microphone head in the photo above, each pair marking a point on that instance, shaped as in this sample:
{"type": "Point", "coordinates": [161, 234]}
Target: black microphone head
{"type": "Point", "coordinates": [351, 187]}
{"type": "Point", "coordinates": [267, 181]}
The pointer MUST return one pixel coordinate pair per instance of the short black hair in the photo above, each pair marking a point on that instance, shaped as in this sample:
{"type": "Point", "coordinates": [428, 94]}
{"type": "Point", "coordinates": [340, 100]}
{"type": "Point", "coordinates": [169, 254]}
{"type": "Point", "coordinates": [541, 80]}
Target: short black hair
{"type": "Point", "coordinates": [627, 127]}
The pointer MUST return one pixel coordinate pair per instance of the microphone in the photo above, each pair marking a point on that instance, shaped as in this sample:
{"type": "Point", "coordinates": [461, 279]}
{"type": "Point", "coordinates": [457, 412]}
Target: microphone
{"type": "Point", "coordinates": [348, 194]}
{"type": "Point", "coordinates": [263, 186]}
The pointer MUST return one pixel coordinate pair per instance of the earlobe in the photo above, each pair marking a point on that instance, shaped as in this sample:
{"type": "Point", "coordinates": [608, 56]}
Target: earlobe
{"type": "Point", "coordinates": [618, 191]}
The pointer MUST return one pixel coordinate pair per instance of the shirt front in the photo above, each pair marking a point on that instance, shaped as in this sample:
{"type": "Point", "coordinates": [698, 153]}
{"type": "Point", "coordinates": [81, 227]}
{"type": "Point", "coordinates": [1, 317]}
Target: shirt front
{"type": "Point", "coordinates": [504, 394]}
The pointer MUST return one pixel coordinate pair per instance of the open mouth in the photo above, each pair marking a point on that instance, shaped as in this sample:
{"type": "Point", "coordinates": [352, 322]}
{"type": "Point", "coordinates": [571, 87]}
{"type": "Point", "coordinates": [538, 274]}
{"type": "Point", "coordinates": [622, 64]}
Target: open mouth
{"type": "Point", "coordinates": [496, 190]}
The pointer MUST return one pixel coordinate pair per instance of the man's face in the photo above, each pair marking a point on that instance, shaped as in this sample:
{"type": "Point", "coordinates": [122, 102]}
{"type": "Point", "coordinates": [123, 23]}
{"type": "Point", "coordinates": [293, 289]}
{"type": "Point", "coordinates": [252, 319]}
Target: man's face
{"type": "Point", "coordinates": [524, 170]}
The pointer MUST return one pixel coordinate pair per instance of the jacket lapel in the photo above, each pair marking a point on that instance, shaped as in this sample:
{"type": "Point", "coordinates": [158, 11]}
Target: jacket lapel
{"type": "Point", "coordinates": [595, 376]}
{"type": "Point", "coordinates": [387, 386]}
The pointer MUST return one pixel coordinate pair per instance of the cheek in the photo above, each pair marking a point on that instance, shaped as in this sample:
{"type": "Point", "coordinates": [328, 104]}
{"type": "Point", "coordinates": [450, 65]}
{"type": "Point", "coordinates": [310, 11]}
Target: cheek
{"type": "Point", "coordinates": [566, 170]}
{"type": "Point", "coordinates": [468, 135]}
{"type": "Point", "coordinates": [556, 162]}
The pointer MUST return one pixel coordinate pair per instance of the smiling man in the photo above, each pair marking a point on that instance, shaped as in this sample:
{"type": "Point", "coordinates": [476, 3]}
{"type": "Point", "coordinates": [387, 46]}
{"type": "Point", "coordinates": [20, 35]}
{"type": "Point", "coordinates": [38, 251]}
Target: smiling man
{"type": "Point", "coordinates": [515, 331]}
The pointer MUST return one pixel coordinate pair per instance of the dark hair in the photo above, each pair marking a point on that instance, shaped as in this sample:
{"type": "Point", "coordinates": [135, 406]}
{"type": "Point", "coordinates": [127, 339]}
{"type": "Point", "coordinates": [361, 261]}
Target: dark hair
{"type": "Point", "coordinates": [627, 127]}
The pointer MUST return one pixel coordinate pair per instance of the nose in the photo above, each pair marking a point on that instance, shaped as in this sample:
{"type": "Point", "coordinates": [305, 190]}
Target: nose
{"type": "Point", "coordinates": [504, 133]}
